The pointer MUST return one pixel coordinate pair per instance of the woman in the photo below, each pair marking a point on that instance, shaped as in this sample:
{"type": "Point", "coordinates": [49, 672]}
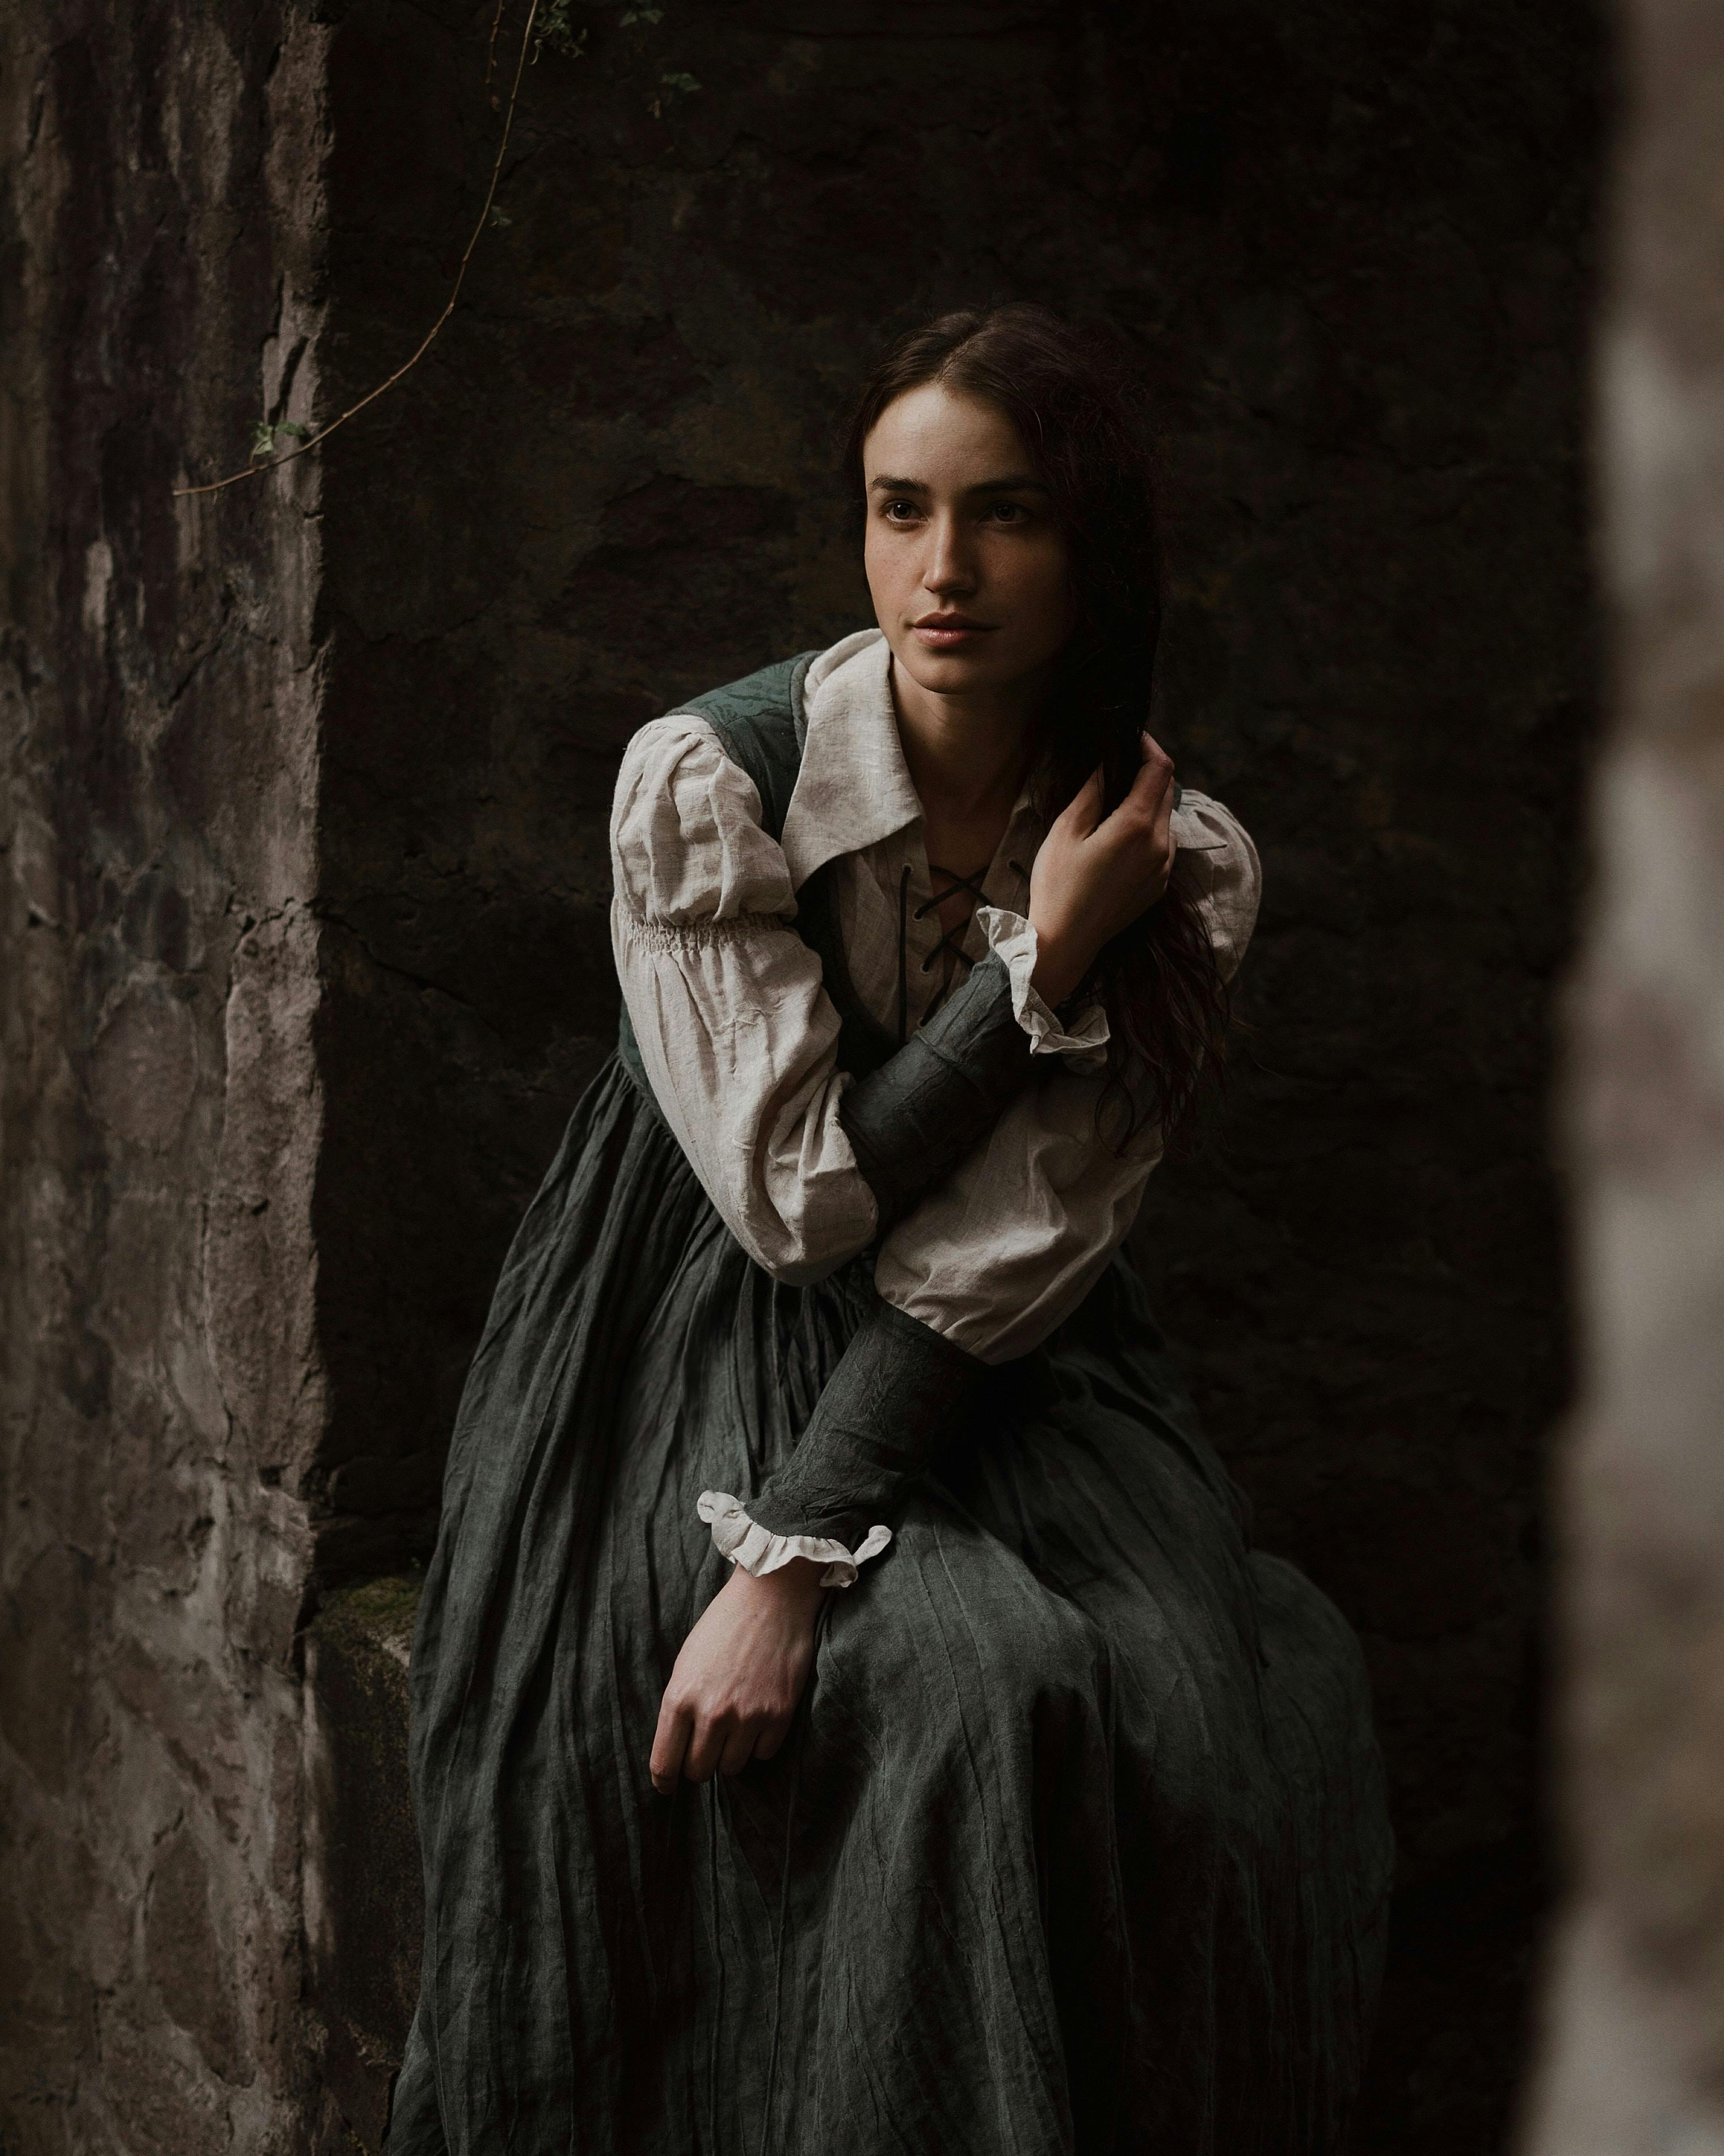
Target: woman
{"type": "Point", "coordinates": [970, 1786]}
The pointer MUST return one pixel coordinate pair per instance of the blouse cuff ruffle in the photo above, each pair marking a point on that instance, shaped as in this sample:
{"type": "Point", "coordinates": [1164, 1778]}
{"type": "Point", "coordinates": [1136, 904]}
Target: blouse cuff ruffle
{"type": "Point", "coordinates": [736, 1537]}
{"type": "Point", "coordinates": [1013, 941]}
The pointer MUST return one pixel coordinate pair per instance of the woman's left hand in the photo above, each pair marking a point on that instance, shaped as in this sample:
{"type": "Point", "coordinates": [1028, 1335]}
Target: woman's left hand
{"type": "Point", "coordinates": [1095, 875]}
{"type": "Point", "coordinates": [741, 1673]}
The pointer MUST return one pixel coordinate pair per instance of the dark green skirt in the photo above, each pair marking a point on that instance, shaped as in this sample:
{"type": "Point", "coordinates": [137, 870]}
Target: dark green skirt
{"type": "Point", "coordinates": [1078, 1843]}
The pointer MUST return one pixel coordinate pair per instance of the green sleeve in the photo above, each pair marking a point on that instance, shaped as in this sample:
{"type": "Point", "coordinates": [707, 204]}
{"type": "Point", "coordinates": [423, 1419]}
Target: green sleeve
{"type": "Point", "coordinates": [912, 1121]}
{"type": "Point", "coordinates": [899, 1391]}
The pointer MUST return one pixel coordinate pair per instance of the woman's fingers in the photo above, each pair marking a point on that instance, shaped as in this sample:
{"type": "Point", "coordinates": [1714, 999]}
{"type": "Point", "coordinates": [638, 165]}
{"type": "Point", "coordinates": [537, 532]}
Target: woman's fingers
{"type": "Point", "coordinates": [740, 1671]}
{"type": "Point", "coordinates": [739, 1749]}
{"type": "Point", "coordinates": [1164, 807]}
{"type": "Point", "coordinates": [706, 1748]}
{"type": "Point", "coordinates": [699, 1745]}
{"type": "Point", "coordinates": [669, 1745]}
{"type": "Point", "coordinates": [1152, 789]}
{"type": "Point", "coordinates": [1148, 817]}
{"type": "Point", "coordinates": [771, 1738]}
{"type": "Point", "coordinates": [1083, 812]}
{"type": "Point", "coordinates": [1149, 792]}
{"type": "Point", "coordinates": [689, 1744]}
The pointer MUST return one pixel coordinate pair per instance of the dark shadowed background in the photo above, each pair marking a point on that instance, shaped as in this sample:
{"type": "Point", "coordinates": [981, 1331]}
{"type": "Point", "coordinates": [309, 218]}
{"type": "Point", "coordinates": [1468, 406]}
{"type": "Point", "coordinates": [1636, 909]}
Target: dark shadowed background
{"type": "Point", "coordinates": [307, 951]}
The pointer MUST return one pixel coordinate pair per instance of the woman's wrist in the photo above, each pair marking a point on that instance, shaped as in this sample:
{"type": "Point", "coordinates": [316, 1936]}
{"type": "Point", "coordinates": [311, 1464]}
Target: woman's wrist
{"type": "Point", "coordinates": [1059, 967]}
{"type": "Point", "coordinates": [794, 1585]}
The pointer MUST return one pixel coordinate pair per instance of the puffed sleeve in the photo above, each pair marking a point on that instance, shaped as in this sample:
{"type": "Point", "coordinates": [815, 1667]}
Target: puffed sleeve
{"type": "Point", "coordinates": [1010, 1244]}
{"type": "Point", "coordinates": [736, 1034]}
{"type": "Point", "coordinates": [1007, 1247]}
{"type": "Point", "coordinates": [1218, 865]}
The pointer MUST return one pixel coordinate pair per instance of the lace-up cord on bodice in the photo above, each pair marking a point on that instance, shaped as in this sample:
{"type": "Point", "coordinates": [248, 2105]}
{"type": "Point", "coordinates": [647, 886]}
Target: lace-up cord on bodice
{"type": "Point", "coordinates": [950, 944]}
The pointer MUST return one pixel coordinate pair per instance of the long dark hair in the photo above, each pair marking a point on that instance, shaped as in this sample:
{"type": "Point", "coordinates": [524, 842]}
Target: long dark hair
{"type": "Point", "coordinates": [1075, 402]}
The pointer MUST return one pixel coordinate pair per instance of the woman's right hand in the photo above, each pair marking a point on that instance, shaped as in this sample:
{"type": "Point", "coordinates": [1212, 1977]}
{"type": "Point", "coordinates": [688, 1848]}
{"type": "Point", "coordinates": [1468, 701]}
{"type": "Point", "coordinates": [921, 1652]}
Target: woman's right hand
{"type": "Point", "coordinates": [1095, 874]}
{"type": "Point", "coordinates": [742, 1671]}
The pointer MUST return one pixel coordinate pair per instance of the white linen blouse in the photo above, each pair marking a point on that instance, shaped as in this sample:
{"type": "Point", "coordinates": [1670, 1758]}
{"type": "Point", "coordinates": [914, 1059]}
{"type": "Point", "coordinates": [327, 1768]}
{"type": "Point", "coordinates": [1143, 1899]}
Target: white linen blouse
{"type": "Point", "coordinates": [739, 1038]}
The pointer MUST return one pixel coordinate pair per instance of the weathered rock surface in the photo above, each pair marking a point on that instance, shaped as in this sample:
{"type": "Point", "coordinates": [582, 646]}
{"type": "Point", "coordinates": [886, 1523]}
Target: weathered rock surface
{"type": "Point", "coordinates": [305, 955]}
{"type": "Point", "coordinates": [159, 1103]}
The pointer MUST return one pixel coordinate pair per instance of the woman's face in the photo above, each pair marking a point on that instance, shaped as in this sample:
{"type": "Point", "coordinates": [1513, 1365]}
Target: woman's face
{"type": "Point", "coordinates": [968, 567]}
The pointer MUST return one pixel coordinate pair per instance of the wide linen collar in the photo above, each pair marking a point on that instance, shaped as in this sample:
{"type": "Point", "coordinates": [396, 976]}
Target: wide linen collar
{"type": "Point", "coordinates": [854, 788]}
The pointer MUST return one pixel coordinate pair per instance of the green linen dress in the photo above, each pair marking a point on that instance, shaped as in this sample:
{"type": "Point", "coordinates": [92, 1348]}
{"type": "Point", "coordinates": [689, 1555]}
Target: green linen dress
{"type": "Point", "coordinates": [1078, 1843]}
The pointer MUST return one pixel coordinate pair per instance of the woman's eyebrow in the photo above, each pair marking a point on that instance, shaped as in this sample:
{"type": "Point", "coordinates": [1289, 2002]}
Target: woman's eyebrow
{"type": "Point", "coordinates": [1012, 483]}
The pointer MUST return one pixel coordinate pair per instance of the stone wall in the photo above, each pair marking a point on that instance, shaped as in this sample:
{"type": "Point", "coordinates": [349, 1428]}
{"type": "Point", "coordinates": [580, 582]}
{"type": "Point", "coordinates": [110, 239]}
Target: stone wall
{"type": "Point", "coordinates": [1351, 246]}
{"type": "Point", "coordinates": [160, 1112]}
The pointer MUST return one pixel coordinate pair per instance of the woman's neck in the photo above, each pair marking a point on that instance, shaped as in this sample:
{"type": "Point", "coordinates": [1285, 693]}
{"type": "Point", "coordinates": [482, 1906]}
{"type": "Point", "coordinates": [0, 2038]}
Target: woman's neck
{"type": "Point", "coordinates": [968, 756]}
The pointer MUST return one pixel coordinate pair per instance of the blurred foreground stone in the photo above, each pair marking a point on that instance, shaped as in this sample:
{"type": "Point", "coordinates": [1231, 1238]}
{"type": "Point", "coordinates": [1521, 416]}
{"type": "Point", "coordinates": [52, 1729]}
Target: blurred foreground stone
{"type": "Point", "coordinates": [1634, 2062]}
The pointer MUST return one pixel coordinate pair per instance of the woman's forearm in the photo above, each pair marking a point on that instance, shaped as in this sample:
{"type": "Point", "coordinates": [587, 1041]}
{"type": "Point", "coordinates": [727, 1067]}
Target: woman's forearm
{"type": "Point", "coordinates": [897, 1394]}
{"type": "Point", "coordinates": [912, 1121]}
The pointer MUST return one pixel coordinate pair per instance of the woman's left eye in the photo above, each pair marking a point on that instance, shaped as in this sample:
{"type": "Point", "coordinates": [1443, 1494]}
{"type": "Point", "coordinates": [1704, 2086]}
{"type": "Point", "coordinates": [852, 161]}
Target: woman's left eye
{"type": "Point", "coordinates": [1010, 512]}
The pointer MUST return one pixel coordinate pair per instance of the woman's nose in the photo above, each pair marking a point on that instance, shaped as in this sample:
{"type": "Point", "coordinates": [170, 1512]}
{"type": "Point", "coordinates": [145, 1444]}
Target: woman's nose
{"type": "Point", "coordinates": [949, 568]}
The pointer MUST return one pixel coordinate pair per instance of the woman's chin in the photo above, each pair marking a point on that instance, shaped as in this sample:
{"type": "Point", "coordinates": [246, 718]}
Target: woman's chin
{"type": "Point", "coordinates": [964, 669]}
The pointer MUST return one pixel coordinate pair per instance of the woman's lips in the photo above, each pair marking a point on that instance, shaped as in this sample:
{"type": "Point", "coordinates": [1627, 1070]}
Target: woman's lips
{"type": "Point", "coordinates": [937, 634]}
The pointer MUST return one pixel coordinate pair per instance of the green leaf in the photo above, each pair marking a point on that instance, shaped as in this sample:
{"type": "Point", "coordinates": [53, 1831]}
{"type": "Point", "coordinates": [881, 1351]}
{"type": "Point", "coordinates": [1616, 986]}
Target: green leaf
{"type": "Point", "coordinates": [292, 426]}
{"type": "Point", "coordinates": [681, 83]}
{"type": "Point", "coordinates": [263, 443]}
{"type": "Point", "coordinates": [557, 31]}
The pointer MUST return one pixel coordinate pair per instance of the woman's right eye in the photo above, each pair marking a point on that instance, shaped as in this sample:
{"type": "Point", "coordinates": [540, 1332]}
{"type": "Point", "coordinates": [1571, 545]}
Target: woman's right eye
{"type": "Point", "coordinates": [898, 512]}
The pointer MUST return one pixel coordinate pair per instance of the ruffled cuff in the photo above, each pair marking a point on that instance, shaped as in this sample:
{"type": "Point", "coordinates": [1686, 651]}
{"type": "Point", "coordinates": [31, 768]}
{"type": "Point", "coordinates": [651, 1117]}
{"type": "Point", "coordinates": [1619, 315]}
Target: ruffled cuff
{"type": "Point", "coordinates": [1012, 941]}
{"type": "Point", "coordinates": [736, 1537]}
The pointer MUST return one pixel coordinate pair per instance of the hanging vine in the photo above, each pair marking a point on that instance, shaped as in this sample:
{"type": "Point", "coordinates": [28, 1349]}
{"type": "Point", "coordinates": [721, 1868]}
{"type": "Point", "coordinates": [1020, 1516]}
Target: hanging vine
{"type": "Point", "coordinates": [554, 28]}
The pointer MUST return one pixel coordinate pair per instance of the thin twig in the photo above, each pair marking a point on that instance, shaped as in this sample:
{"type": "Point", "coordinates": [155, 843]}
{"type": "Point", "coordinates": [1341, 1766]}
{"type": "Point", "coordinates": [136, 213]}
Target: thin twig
{"type": "Point", "coordinates": [490, 50]}
{"type": "Point", "coordinates": [353, 412]}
